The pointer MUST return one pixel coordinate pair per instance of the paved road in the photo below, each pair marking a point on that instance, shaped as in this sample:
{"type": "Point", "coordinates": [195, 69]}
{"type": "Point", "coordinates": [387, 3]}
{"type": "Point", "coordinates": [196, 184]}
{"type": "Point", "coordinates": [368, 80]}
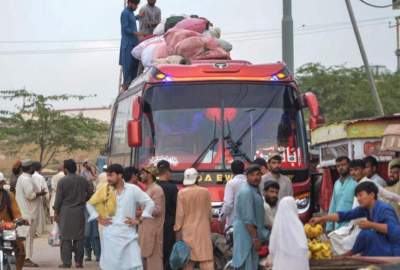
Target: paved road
{"type": "Point", "coordinates": [49, 257]}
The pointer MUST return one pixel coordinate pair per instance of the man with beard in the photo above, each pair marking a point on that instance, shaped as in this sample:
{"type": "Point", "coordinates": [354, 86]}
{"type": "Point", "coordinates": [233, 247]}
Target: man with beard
{"type": "Point", "coordinates": [151, 231]}
{"type": "Point", "coordinates": [120, 247]}
{"type": "Point", "coordinates": [149, 17]}
{"type": "Point", "coordinates": [393, 185]}
{"type": "Point", "coordinates": [130, 38]}
{"type": "Point", "coordinates": [72, 193]}
{"type": "Point", "coordinates": [274, 174]}
{"type": "Point", "coordinates": [249, 231]}
{"type": "Point", "coordinates": [343, 192]}
{"type": "Point", "coordinates": [271, 191]}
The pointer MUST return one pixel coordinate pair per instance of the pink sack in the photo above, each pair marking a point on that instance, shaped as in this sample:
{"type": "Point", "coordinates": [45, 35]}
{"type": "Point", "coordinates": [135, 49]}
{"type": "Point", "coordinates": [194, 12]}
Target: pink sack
{"type": "Point", "coordinates": [193, 24]}
{"type": "Point", "coordinates": [193, 46]}
{"type": "Point", "coordinates": [174, 36]}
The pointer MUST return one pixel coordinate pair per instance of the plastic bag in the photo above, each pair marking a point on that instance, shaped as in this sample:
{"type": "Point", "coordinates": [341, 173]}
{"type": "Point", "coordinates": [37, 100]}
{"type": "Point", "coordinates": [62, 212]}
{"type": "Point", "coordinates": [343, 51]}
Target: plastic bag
{"type": "Point", "coordinates": [148, 54]}
{"type": "Point", "coordinates": [54, 236]}
{"type": "Point", "coordinates": [225, 45]}
{"type": "Point", "coordinates": [160, 28]}
{"type": "Point", "coordinates": [193, 24]}
{"type": "Point", "coordinates": [138, 50]}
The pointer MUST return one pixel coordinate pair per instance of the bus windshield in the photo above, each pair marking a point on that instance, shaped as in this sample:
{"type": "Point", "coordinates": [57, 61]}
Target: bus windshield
{"type": "Point", "coordinates": [209, 125]}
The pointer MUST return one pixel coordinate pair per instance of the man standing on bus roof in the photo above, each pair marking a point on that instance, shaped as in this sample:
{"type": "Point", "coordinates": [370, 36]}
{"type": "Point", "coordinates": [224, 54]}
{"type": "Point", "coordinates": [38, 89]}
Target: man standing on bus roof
{"type": "Point", "coordinates": [275, 165]}
{"type": "Point", "coordinates": [171, 194]}
{"type": "Point", "coordinates": [130, 38]}
{"type": "Point", "coordinates": [343, 192]}
{"type": "Point", "coordinates": [371, 167]}
{"type": "Point", "coordinates": [149, 17]}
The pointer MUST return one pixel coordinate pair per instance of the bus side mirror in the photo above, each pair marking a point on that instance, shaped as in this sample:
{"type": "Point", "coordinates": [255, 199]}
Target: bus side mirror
{"type": "Point", "coordinates": [310, 101]}
{"type": "Point", "coordinates": [134, 133]}
{"type": "Point", "coordinates": [135, 125]}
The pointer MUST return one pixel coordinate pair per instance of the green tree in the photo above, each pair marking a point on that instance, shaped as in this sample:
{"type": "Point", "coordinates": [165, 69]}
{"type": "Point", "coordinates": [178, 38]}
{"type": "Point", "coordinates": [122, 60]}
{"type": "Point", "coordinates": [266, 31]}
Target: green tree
{"type": "Point", "coordinates": [49, 131]}
{"type": "Point", "coordinates": [344, 92]}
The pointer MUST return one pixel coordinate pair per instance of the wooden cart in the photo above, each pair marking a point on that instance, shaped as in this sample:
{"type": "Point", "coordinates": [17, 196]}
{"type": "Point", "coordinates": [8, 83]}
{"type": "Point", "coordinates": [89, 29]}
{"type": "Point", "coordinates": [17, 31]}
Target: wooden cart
{"type": "Point", "coordinates": [354, 263]}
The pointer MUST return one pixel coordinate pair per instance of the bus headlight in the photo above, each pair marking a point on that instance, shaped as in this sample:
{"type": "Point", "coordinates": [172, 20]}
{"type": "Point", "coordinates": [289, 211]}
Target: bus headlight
{"type": "Point", "coordinates": [9, 235]}
{"type": "Point", "coordinates": [303, 204]}
{"type": "Point", "coordinates": [216, 209]}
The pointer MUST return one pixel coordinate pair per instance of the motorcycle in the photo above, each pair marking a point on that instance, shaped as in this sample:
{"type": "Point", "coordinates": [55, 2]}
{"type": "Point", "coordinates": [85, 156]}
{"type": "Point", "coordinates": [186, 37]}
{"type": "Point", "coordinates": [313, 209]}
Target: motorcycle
{"type": "Point", "coordinates": [10, 232]}
{"type": "Point", "coordinates": [263, 253]}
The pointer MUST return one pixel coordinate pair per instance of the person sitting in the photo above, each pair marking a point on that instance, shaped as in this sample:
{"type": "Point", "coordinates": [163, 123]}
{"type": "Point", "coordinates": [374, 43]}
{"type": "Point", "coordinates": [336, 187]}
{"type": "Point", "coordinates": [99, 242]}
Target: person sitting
{"type": "Point", "coordinates": [271, 191]}
{"type": "Point", "coordinates": [9, 212]}
{"type": "Point", "coordinates": [380, 232]}
{"type": "Point", "coordinates": [343, 239]}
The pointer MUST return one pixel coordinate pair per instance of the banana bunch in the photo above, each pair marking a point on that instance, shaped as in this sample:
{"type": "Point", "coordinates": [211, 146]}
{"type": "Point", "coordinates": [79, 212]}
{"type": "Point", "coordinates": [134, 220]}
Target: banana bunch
{"type": "Point", "coordinates": [319, 250]}
{"type": "Point", "coordinates": [313, 232]}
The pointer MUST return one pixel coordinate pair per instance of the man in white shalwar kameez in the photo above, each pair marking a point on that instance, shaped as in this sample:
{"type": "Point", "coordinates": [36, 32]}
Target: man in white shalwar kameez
{"type": "Point", "coordinates": [41, 185]}
{"type": "Point", "coordinates": [28, 198]}
{"type": "Point", "coordinates": [120, 247]}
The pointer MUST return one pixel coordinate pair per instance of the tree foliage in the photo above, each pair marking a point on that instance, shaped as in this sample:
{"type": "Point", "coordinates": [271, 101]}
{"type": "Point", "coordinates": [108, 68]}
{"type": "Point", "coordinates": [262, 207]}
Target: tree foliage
{"type": "Point", "coordinates": [51, 132]}
{"type": "Point", "coordinates": [344, 92]}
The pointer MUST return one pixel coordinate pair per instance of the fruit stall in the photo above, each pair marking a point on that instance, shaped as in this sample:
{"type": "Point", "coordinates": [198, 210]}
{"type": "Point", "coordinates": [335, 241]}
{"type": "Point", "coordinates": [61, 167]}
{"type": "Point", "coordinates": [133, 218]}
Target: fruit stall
{"type": "Point", "coordinates": [321, 254]}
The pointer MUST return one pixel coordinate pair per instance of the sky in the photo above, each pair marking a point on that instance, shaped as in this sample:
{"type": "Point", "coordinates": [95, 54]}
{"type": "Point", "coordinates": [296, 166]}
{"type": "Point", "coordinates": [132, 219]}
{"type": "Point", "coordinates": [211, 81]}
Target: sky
{"type": "Point", "coordinates": [57, 47]}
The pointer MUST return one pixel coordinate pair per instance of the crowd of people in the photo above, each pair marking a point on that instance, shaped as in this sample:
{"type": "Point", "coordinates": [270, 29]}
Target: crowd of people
{"type": "Point", "coordinates": [143, 213]}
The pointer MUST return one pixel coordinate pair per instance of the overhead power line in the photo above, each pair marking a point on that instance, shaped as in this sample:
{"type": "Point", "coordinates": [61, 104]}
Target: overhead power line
{"type": "Point", "coordinates": [228, 34]}
{"type": "Point", "coordinates": [243, 36]}
{"type": "Point", "coordinates": [376, 6]}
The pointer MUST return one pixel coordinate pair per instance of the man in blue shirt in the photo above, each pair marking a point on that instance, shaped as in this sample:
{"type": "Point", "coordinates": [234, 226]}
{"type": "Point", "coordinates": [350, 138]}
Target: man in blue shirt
{"type": "Point", "coordinates": [129, 40]}
{"type": "Point", "coordinates": [343, 192]}
{"type": "Point", "coordinates": [380, 232]}
{"type": "Point", "coordinates": [249, 230]}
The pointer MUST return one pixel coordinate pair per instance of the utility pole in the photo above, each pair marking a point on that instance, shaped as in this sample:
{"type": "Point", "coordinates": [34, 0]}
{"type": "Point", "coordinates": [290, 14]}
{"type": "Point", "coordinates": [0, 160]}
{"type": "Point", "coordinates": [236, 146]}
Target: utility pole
{"type": "Point", "coordinates": [287, 35]}
{"type": "Point", "coordinates": [374, 91]}
{"type": "Point", "coordinates": [398, 42]}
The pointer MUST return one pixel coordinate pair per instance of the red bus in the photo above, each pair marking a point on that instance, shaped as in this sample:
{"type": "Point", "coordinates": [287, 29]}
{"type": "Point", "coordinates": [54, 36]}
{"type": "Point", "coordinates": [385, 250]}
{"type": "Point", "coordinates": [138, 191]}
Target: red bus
{"type": "Point", "coordinates": [206, 114]}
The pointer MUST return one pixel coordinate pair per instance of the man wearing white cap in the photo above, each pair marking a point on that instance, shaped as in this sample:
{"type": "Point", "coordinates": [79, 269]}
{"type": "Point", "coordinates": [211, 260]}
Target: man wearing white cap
{"type": "Point", "coordinates": [28, 196]}
{"type": "Point", "coordinates": [193, 218]}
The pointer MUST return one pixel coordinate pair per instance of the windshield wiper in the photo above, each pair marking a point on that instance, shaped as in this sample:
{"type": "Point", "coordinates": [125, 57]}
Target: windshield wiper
{"type": "Point", "coordinates": [234, 147]}
{"type": "Point", "coordinates": [211, 145]}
